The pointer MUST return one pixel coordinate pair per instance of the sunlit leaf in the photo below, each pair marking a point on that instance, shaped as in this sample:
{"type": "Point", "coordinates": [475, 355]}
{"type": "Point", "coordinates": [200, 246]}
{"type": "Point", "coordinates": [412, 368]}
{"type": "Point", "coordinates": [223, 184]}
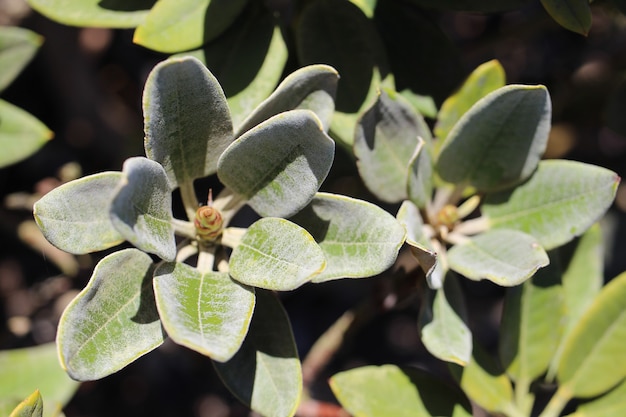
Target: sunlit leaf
{"type": "Point", "coordinates": [499, 141]}
{"type": "Point", "coordinates": [574, 15]}
{"type": "Point", "coordinates": [32, 406]}
{"type": "Point", "coordinates": [265, 374]}
{"type": "Point", "coordinates": [95, 13]}
{"type": "Point", "coordinates": [142, 208]}
{"type": "Point", "coordinates": [279, 165]}
{"type": "Point", "coordinates": [75, 216]}
{"type": "Point", "coordinates": [186, 118]}
{"type": "Point", "coordinates": [610, 404]}
{"type": "Point", "coordinates": [276, 254]}
{"type": "Point", "coordinates": [358, 238]}
{"type": "Point", "coordinates": [181, 25]}
{"type": "Point", "coordinates": [21, 134]}
{"type": "Point", "coordinates": [420, 180]}
{"type": "Point", "coordinates": [387, 390]}
{"type": "Point", "coordinates": [17, 48]}
{"type": "Point", "coordinates": [206, 312]}
{"type": "Point", "coordinates": [560, 201]}
{"type": "Point", "coordinates": [113, 321]}
{"type": "Point", "coordinates": [506, 257]}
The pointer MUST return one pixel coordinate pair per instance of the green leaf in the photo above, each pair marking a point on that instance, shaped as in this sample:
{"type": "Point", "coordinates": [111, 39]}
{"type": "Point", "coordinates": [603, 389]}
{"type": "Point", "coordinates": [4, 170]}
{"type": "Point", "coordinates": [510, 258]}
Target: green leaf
{"type": "Point", "coordinates": [609, 405]}
{"type": "Point", "coordinates": [180, 25]}
{"type": "Point", "coordinates": [186, 117]}
{"type": "Point", "coordinates": [265, 374]}
{"type": "Point", "coordinates": [37, 367]}
{"type": "Point", "coordinates": [312, 87]}
{"type": "Point", "coordinates": [473, 5]}
{"type": "Point", "coordinates": [483, 80]}
{"type": "Point", "coordinates": [94, 13]}
{"type": "Point", "coordinates": [574, 15]}
{"type": "Point", "coordinates": [75, 216]}
{"type": "Point", "coordinates": [582, 281]}
{"type": "Point", "coordinates": [560, 201]}
{"type": "Point", "coordinates": [357, 238]}
{"type": "Point", "coordinates": [499, 141]}
{"type": "Point", "coordinates": [17, 48]}
{"type": "Point", "coordinates": [21, 134]}
{"type": "Point", "coordinates": [420, 179]}
{"type": "Point", "coordinates": [206, 312]}
{"type": "Point", "coordinates": [387, 390]}
{"type": "Point", "coordinates": [279, 165]}
{"type": "Point", "coordinates": [32, 406]}
{"type": "Point", "coordinates": [113, 321]}
{"type": "Point", "coordinates": [386, 138]}
{"type": "Point", "coordinates": [484, 382]}
{"type": "Point", "coordinates": [532, 325]}
{"type": "Point", "coordinates": [424, 105]}
{"type": "Point", "coordinates": [506, 257]}
{"type": "Point", "coordinates": [142, 209]}
{"type": "Point", "coordinates": [593, 360]}
{"type": "Point", "coordinates": [276, 254]}
{"type": "Point", "coordinates": [442, 323]}
{"type": "Point", "coordinates": [248, 60]}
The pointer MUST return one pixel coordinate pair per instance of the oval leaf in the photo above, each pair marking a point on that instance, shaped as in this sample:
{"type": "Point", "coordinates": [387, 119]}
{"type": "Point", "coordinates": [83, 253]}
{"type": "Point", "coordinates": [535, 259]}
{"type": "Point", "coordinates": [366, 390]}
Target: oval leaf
{"type": "Point", "coordinates": [94, 13]}
{"type": "Point", "coordinates": [38, 367]}
{"type": "Point", "coordinates": [181, 25]}
{"type": "Point", "coordinates": [358, 239]}
{"type": "Point", "coordinates": [386, 138]}
{"type": "Point", "coordinates": [21, 134]}
{"type": "Point", "coordinates": [506, 257]}
{"type": "Point", "coordinates": [186, 119]}
{"type": "Point", "coordinates": [420, 178]}
{"type": "Point", "coordinates": [443, 324]}
{"type": "Point", "coordinates": [574, 15]}
{"type": "Point", "coordinates": [265, 374]}
{"type": "Point", "coordinates": [75, 216]}
{"type": "Point", "coordinates": [32, 406]}
{"type": "Point", "coordinates": [142, 209]}
{"type": "Point", "coordinates": [500, 140]}
{"type": "Point", "coordinates": [17, 48]}
{"type": "Point", "coordinates": [483, 80]}
{"type": "Point", "coordinates": [382, 391]}
{"type": "Point", "coordinates": [593, 359]}
{"type": "Point", "coordinates": [560, 201]}
{"type": "Point", "coordinates": [609, 405]}
{"type": "Point", "coordinates": [276, 254]}
{"type": "Point", "coordinates": [113, 321]}
{"type": "Point", "coordinates": [206, 312]}
{"type": "Point", "coordinates": [280, 164]}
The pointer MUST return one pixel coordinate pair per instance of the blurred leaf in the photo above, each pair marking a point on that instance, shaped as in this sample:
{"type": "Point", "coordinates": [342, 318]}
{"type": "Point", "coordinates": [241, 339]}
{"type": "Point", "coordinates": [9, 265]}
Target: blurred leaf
{"type": "Point", "coordinates": [484, 382]}
{"type": "Point", "coordinates": [37, 367]}
{"type": "Point", "coordinates": [21, 134]}
{"type": "Point", "coordinates": [248, 60]}
{"type": "Point", "coordinates": [386, 138]}
{"type": "Point", "coordinates": [357, 238]}
{"type": "Point", "coordinates": [483, 80]}
{"type": "Point", "coordinates": [442, 323]}
{"type": "Point", "coordinates": [424, 105]}
{"type": "Point", "coordinates": [181, 25]}
{"type": "Point", "coordinates": [206, 312]}
{"type": "Point", "coordinates": [337, 33]}
{"type": "Point", "coordinates": [383, 391]}
{"type": "Point", "coordinates": [609, 405]}
{"type": "Point", "coordinates": [499, 141]}
{"type": "Point", "coordinates": [17, 48]}
{"type": "Point", "coordinates": [32, 406]}
{"type": "Point", "coordinates": [279, 165]}
{"type": "Point", "coordinates": [312, 87]}
{"type": "Point", "coordinates": [265, 374]}
{"type": "Point", "coordinates": [506, 257]}
{"type": "Point", "coordinates": [593, 359]}
{"type": "Point", "coordinates": [560, 201]}
{"type": "Point", "coordinates": [186, 117]}
{"type": "Point", "coordinates": [276, 254]}
{"type": "Point", "coordinates": [532, 325]}
{"type": "Point", "coordinates": [420, 180]}
{"type": "Point", "coordinates": [366, 6]}
{"type": "Point", "coordinates": [473, 5]}
{"type": "Point", "coordinates": [142, 209]}
{"type": "Point", "coordinates": [95, 13]}
{"type": "Point", "coordinates": [113, 321]}
{"type": "Point", "coordinates": [582, 281]}
{"type": "Point", "coordinates": [75, 216]}
{"type": "Point", "coordinates": [574, 15]}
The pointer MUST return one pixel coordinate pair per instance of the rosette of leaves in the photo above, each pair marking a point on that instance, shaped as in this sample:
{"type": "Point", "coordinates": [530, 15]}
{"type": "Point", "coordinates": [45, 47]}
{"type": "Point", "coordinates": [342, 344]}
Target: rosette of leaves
{"type": "Point", "coordinates": [476, 199]}
{"type": "Point", "coordinates": [179, 281]}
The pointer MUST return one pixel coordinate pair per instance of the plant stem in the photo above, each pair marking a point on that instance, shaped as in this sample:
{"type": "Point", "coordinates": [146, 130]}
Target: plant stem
{"type": "Point", "coordinates": [228, 203]}
{"type": "Point", "coordinates": [186, 251]}
{"type": "Point", "coordinates": [472, 226]}
{"type": "Point", "coordinates": [557, 403]}
{"type": "Point", "coordinates": [524, 399]}
{"type": "Point", "coordinates": [206, 258]}
{"type": "Point", "coordinates": [184, 228]}
{"type": "Point", "coordinates": [190, 199]}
